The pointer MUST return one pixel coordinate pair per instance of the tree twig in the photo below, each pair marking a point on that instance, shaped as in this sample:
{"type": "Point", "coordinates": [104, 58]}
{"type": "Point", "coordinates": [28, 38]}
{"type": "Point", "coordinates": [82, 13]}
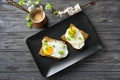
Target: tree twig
{"type": "Point", "coordinates": [11, 2]}
{"type": "Point", "coordinates": [89, 4]}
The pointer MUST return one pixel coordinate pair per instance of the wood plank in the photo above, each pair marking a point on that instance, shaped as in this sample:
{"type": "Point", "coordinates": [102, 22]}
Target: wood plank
{"type": "Point", "coordinates": [101, 5]}
{"type": "Point", "coordinates": [15, 41]}
{"type": "Point", "coordinates": [88, 75]}
{"type": "Point", "coordinates": [62, 76]}
{"type": "Point", "coordinates": [99, 20]}
{"type": "Point", "coordinates": [23, 62]}
{"type": "Point", "coordinates": [21, 76]}
{"type": "Point", "coordinates": [96, 16]}
{"type": "Point", "coordinates": [20, 25]}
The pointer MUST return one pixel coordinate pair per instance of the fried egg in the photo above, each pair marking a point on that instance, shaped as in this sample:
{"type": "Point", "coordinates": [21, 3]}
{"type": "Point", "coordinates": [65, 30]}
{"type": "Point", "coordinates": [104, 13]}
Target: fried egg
{"type": "Point", "coordinates": [74, 37]}
{"type": "Point", "coordinates": [53, 48]}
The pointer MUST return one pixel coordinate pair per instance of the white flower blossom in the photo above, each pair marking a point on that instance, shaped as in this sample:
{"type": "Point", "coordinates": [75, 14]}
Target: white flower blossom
{"type": "Point", "coordinates": [28, 3]}
{"type": "Point", "coordinates": [70, 10]}
{"type": "Point", "coordinates": [60, 13]}
{"type": "Point", "coordinates": [77, 8]}
{"type": "Point", "coordinates": [65, 10]}
{"type": "Point", "coordinates": [41, 7]}
{"type": "Point", "coordinates": [30, 8]}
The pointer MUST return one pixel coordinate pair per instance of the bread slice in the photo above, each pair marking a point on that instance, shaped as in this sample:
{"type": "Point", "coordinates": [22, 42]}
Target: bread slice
{"type": "Point", "coordinates": [50, 40]}
{"type": "Point", "coordinates": [84, 34]}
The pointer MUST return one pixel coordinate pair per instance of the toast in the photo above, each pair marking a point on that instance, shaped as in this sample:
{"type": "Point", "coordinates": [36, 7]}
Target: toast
{"type": "Point", "coordinates": [47, 41]}
{"type": "Point", "coordinates": [84, 34]}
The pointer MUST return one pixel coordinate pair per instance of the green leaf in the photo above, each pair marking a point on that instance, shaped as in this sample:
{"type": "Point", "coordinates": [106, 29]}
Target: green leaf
{"type": "Point", "coordinates": [48, 6]}
{"type": "Point", "coordinates": [28, 17]}
{"type": "Point", "coordinates": [21, 2]}
{"type": "Point", "coordinates": [55, 12]}
{"type": "Point", "coordinates": [31, 2]}
{"type": "Point", "coordinates": [61, 52]}
{"type": "Point", "coordinates": [29, 24]}
{"type": "Point", "coordinates": [38, 1]}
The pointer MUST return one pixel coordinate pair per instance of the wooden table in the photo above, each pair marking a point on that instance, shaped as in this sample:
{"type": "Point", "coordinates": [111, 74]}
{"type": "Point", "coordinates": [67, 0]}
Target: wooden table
{"type": "Point", "coordinates": [16, 62]}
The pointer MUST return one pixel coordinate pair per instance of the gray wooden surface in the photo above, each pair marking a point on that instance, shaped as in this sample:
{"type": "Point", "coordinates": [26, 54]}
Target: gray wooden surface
{"type": "Point", "coordinates": [16, 62]}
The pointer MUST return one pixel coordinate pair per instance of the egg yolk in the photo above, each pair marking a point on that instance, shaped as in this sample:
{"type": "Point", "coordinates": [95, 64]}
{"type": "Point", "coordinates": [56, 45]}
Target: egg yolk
{"type": "Point", "coordinates": [72, 32]}
{"type": "Point", "coordinates": [48, 50]}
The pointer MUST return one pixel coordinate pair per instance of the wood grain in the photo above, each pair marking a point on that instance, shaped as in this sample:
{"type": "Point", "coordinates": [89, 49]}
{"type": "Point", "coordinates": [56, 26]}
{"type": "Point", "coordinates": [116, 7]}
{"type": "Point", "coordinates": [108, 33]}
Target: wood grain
{"type": "Point", "coordinates": [15, 41]}
{"type": "Point", "coordinates": [23, 62]}
{"type": "Point", "coordinates": [16, 62]}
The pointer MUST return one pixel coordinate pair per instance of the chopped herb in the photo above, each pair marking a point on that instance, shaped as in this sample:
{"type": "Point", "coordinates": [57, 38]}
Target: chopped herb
{"type": "Point", "coordinates": [53, 45]}
{"type": "Point", "coordinates": [72, 32]}
{"type": "Point", "coordinates": [80, 38]}
{"type": "Point", "coordinates": [61, 52]}
{"type": "Point", "coordinates": [46, 42]}
{"type": "Point", "coordinates": [46, 48]}
{"type": "Point", "coordinates": [64, 46]}
{"type": "Point", "coordinates": [72, 36]}
{"type": "Point", "coordinates": [68, 38]}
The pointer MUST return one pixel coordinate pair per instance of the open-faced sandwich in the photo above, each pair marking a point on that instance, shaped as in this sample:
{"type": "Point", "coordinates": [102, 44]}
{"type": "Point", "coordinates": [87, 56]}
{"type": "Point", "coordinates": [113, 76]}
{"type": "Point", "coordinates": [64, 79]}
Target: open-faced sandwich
{"type": "Point", "coordinates": [53, 48]}
{"type": "Point", "coordinates": [74, 36]}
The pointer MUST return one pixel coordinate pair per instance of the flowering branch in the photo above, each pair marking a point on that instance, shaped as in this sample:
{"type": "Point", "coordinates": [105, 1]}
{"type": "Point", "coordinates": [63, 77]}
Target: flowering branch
{"type": "Point", "coordinates": [69, 10]}
{"type": "Point", "coordinates": [32, 4]}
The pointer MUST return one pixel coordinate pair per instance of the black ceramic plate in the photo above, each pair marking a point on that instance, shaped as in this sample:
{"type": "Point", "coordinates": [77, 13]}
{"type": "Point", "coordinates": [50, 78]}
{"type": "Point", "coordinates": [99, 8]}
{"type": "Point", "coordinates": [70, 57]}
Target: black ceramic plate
{"type": "Point", "coordinates": [48, 66]}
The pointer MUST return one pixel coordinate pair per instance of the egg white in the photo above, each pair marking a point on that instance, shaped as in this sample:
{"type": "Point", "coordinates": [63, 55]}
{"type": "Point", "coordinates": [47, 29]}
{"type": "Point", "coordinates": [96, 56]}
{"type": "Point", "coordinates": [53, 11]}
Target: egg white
{"type": "Point", "coordinates": [58, 46]}
{"type": "Point", "coordinates": [78, 41]}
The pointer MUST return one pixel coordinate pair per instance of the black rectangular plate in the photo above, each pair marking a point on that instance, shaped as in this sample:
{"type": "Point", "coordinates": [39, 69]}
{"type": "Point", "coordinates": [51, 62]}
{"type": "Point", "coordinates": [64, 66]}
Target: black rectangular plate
{"type": "Point", "coordinates": [48, 66]}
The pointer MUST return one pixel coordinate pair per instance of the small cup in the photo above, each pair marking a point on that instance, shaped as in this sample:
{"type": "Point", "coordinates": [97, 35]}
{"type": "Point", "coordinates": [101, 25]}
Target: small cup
{"type": "Point", "coordinates": [38, 18]}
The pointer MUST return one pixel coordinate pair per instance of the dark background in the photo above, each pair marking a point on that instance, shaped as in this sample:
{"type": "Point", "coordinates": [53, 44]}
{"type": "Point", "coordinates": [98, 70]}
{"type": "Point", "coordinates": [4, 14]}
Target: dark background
{"type": "Point", "coordinates": [16, 62]}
